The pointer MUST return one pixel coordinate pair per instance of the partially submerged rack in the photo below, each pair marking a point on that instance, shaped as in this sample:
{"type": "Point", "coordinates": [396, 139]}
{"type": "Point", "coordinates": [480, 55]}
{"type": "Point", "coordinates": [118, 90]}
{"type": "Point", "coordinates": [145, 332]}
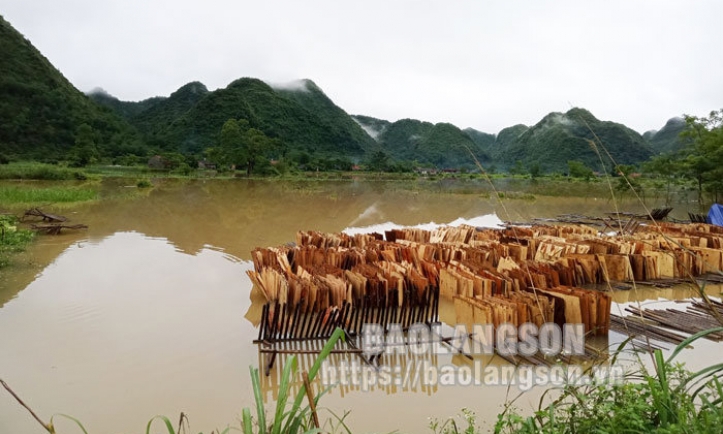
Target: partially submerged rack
{"type": "Point", "coordinates": [539, 274]}
{"type": "Point", "coordinates": [55, 228]}
{"type": "Point", "coordinates": [335, 280]}
{"type": "Point", "coordinates": [50, 224]}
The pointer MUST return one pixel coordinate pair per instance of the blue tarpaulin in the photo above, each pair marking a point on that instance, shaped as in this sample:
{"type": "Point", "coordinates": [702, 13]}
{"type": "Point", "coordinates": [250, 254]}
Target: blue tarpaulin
{"type": "Point", "coordinates": [715, 215]}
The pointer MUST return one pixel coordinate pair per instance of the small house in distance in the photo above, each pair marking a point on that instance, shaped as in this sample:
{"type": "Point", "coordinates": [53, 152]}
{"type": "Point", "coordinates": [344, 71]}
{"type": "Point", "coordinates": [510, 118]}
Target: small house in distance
{"type": "Point", "coordinates": [205, 164]}
{"type": "Point", "coordinates": [157, 162]}
{"type": "Point", "coordinates": [426, 170]}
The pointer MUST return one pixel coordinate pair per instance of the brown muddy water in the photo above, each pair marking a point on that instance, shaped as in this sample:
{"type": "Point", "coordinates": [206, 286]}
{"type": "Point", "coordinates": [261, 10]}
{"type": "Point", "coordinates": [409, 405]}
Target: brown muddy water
{"type": "Point", "coordinates": [150, 312]}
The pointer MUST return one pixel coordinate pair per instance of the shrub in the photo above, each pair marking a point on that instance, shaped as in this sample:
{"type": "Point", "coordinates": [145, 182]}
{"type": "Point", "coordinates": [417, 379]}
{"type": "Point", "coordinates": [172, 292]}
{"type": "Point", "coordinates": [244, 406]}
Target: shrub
{"type": "Point", "coordinates": [12, 239]}
{"type": "Point", "coordinates": [144, 183]}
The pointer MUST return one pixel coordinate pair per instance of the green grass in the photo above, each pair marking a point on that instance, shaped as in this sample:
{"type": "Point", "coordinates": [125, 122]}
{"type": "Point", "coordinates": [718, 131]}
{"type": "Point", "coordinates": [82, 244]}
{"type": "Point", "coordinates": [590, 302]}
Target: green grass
{"type": "Point", "coordinates": [297, 418]}
{"type": "Point", "coordinates": [665, 399]}
{"type": "Point", "coordinates": [107, 171]}
{"type": "Point", "coordinates": [144, 183]}
{"type": "Point", "coordinates": [12, 238]}
{"type": "Point", "coordinates": [34, 196]}
{"type": "Point", "coordinates": [40, 171]}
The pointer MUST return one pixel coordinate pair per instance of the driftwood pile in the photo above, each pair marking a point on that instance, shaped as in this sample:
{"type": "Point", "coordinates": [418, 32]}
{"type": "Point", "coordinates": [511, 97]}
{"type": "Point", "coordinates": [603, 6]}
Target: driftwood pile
{"type": "Point", "coordinates": [516, 274]}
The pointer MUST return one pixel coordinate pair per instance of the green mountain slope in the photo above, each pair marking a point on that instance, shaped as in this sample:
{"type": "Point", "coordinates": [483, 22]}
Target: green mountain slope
{"type": "Point", "coordinates": [561, 137]}
{"type": "Point", "coordinates": [308, 122]}
{"type": "Point", "coordinates": [154, 116]}
{"type": "Point", "coordinates": [667, 139]}
{"type": "Point", "coordinates": [484, 141]}
{"type": "Point", "coordinates": [442, 145]}
{"type": "Point", "coordinates": [506, 144]}
{"type": "Point", "coordinates": [340, 124]}
{"type": "Point", "coordinates": [127, 109]}
{"type": "Point", "coordinates": [162, 114]}
{"type": "Point", "coordinates": [41, 111]}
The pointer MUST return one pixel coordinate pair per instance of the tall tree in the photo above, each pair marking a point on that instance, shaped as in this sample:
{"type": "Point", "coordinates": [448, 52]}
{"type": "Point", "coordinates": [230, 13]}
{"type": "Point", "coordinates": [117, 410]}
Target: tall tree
{"type": "Point", "coordinates": [578, 169]}
{"type": "Point", "coordinates": [84, 150]}
{"type": "Point", "coordinates": [257, 145]}
{"type": "Point", "coordinates": [665, 167]}
{"type": "Point", "coordinates": [379, 162]}
{"type": "Point", "coordinates": [230, 149]}
{"type": "Point", "coordinates": [703, 156]}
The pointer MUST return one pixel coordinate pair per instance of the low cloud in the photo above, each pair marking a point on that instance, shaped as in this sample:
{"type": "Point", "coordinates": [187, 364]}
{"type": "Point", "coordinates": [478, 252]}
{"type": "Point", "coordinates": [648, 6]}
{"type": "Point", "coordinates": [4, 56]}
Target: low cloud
{"type": "Point", "coordinates": [296, 85]}
{"type": "Point", "coordinates": [374, 133]}
{"type": "Point", "coordinates": [99, 91]}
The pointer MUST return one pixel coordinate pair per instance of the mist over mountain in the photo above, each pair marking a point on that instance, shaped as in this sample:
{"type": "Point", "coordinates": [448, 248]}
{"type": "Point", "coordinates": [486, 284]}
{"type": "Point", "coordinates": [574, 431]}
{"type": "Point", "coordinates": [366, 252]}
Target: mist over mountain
{"type": "Point", "coordinates": [41, 111]}
{"type": "Point", "coordinates": [372, 126]}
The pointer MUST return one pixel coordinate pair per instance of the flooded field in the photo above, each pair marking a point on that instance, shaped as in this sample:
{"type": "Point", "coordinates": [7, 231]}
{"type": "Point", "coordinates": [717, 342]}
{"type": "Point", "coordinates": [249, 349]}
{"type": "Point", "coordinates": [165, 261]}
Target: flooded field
{"type": "Point", "coordinates": [150, 311]}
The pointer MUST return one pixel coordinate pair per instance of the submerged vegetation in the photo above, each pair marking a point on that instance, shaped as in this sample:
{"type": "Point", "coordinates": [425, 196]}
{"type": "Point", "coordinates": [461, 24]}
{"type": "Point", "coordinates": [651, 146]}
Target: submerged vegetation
{"type": "Point", "coordinates": [40, 171]}
{"type": "Point", "coordinates": [56, 194]}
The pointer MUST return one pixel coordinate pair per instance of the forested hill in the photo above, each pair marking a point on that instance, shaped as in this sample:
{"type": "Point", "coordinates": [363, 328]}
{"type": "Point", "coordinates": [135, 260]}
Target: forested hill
{"type": "Point", "coordinates": [302, 117]}
{"type": "Point", "coordinates": [42, 115]}
{"type": "Point", "coordinates": [667, 139]}
{"type": "Point", "coordinates": [41, 111]}
{"type": "Point", "coordinates": [440, 145]}
{"type": "Point", "coordinates": [372, 126]}
{"type": "Point", "coordinates": [574, 135]}
{"type": "Point", "coordinates": [127, 109]}
{"type": "Point", "coordinates": [307, 94]}
{"type": "Point", "coordinates": [549, 144]}
{"type": "Point", "coordinates": [154, 116]}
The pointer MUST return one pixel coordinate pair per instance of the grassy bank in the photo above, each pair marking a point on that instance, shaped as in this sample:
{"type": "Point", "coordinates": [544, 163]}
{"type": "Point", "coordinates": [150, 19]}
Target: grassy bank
{"type": "Point", "coordinates": [40, 171]}
{"type": "Point", "coordinates": [28, 195]}
{"type": "Point", "coordinates": [666, 398]}
{"type": "Point", "coordinates": [12, 238]}
{"type": "Point", "coordinates": [511, 186]}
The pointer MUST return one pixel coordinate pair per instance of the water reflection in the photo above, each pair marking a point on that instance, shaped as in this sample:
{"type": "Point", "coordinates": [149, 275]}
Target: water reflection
{"type": "Point", "coordinates": [150, 312]}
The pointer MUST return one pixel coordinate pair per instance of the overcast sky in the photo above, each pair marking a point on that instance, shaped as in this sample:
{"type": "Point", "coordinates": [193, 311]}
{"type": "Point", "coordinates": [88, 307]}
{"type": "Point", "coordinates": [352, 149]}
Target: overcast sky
{"type": "Point", "coordinates": [481, 64]}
